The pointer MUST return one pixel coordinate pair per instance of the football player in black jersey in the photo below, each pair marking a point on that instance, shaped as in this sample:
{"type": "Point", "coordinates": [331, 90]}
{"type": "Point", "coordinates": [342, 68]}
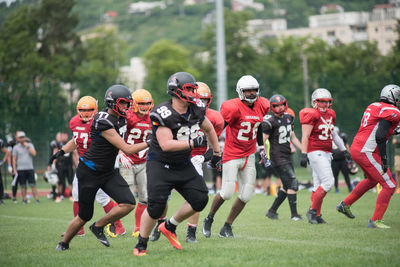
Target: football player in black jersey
{"type": "Point", "coordinates": [96, 167]}
{"type": "Point", "coordinates": [175, 132]}
{"type": "Point", "coordinates": [278, 133]}
{"type": "Point", "coordinates": [6, 155]}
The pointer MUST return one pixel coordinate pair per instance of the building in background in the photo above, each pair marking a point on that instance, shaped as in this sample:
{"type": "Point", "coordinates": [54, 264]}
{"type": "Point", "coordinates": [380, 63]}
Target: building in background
{"type": "Point", "coordinates": [134, 74]}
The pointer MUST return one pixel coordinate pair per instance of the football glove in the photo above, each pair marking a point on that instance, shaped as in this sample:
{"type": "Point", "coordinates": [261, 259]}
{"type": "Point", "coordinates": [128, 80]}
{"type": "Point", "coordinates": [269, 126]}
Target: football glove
{"type": "Point", "coordinates": [208, 155]}
{"type": "Point", "coordinates": [396, 131]}
{"type": "Point", "coordinates": [216, 162]}
{"type": "Point", "coordinates": [347, 156]}
{"type": "Point", "coordinates": [148, 140]}
{"type": "Point", "coordinates": [264, 159]}
{"type": "Point", "coordinates": [125, 161]}
{"type": "Point", "coordinates": [58, 154]}
{"type": "Point", "coordinates": [199, 141]}
{"type": "Point", "coordinates": [304, 160]}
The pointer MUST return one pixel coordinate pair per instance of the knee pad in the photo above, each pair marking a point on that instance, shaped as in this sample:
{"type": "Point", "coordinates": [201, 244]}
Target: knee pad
{"type": "Point", "coordinates": [327, 186]}
{"type": "Point", "coordinates": [199, 201]}
{"type": "Point", "coordinates": [294, 185]}
{"type": "Point", "coordinates": [102, 198]}
{"type": "Point", "coordinates": [155, 209]}
{"type": "Point", "coordinates": [227, 191]}
{"type": "Point", "coordinates": [85, 213]}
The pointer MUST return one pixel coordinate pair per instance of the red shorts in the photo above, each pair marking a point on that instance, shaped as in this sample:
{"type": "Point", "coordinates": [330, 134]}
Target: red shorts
{"type": "Point", "coordinates": [370, 163]}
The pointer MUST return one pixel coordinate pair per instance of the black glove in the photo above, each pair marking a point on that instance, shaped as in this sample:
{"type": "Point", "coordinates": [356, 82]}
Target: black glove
{"type": "Point", "coordinates": [199, 141]}
{"type": "Point", "coordinates": [347, 156]}
{"type": "Point", "coordinates": [216, 162]}
{"type": "Point", "coordinates": [208, 155]}
{"type": "Point", "coordinates": [58, 154]}
{"type": "Point", "coordinates": [384, 164]}
{"type": "Point", "coordinates": [304, 160]}
{"type": "Point", "coordinates": [264, 159]}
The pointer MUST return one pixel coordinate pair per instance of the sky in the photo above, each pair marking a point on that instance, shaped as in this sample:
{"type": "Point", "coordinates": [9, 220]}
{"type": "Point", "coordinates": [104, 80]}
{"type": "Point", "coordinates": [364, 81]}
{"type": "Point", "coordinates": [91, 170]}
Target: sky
{"type": "Point", "coordinates": [7, 1]}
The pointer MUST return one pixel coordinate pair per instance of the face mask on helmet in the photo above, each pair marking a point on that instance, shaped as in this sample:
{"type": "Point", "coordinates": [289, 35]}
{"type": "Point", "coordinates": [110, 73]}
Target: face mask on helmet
{"type": "Point", "coordinates": [86, 108]}
{"type": "Point", "coordinates": [278, 104]}
{"type": "Point", "coordinates": [321, 99]}
{"type": "Point", "coordinates": [142, 102]}
{"type": "Point", "coordinates": [248, 83]}
{"type": "Point", "coordinates": [391, 94]}
{"type": "Point", "coordinates": [119, 99]}
{"type": "Point", "coordinates": [184, 86]}
{"type": "Point", "coordinates": [204, 93]}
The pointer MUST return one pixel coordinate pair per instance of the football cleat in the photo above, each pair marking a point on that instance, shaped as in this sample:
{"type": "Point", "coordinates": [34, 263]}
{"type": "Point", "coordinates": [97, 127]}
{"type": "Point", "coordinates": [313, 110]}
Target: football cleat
{"type": "Point", "coordinates": [191, 234]}
{"type": "Point", "coordinates": [155, 234]}
{"type": "Point", "coordinates": [99, 233]}
{"type": "Point", "coordinates": [320, 220]}
{"type": "Point", "coordinates": [139, 252]}
{"type": "Point", "coordinates": [226, 231]}
{"type": "Point", "coordinates": [272, 215]}
{"type": "Point", "coordinates": [171, 236]}
{"type": "Point", "coordinates": [110, 230]}
{"type": "Point", "coordinates": [62, 246]}
{"type": "Point", "coordinates": [135, 234]}
{"type": "Point", "coordinates": [207, 223]}
{"type": "Point", "coordinates": [377, 224]}
{"type": "Point", "coordinates": [343, 208]}
{"type": "Point", "coordinates": [296, 218]}
{"type": "Point", "coordinates": [312, 216]}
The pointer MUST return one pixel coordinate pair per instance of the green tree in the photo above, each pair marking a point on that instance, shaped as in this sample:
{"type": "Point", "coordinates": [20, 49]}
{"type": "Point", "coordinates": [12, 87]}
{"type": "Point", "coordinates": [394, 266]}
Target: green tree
{"type": "Point", "coordinates": [163, 59]}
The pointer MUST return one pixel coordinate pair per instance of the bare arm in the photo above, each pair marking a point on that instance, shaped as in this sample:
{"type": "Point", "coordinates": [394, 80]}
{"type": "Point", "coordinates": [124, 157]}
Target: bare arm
{"type": "Point", "coordinates": [166, 141]}
{"type": "Point", "coordinates": [6, 154]}
{"type": "Point", "coordinates": [295, 141]}
{"type": "Point", "coordinates": [115, 139]}
{"type": "Point", "coordinates": [212, 137]}
{"type": "Point", "coordinates": [305, 134]}
{"type": "Point", "coordinates": [31, 150]}
{"type": "Point", "coordinates": [14, 164]}
{"type": "Point", "coordinates": [70, 146]}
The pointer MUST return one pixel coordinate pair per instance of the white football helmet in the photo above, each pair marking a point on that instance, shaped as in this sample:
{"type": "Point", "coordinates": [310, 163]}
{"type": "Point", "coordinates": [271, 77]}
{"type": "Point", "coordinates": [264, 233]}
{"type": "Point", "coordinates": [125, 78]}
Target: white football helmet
{"type": "Point", "coordinates": [391, 94]}
{"type": "Point", "coordinates": [247, 82]}
{"type": "Point", "coordinates": [321, 94]}
{"type": "Point", "coordinates": [51, 177]}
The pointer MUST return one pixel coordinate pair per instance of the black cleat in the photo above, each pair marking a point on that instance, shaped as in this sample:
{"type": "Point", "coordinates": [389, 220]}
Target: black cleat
{"type": "Point", "coordinates": [312, 216]}
{"type": "Point", "coordinates": [342, 208]}
{"type": "Point", "coordinates": [226, 231]}
{"type": "Point", "coordinates": [62, 246]}
{"type": "Point", "coordinates": [155, 234]}
{"type": "Point", "coordinates": [320, 220]}
{"type": "Point", "coordinates": [99, 233]}
{"type": "Point", "coordinates": [272, 215]}
{"type": "Point", "coordinates": [207, 223]}
{"type": "Point", "coordinates": [191, 234]}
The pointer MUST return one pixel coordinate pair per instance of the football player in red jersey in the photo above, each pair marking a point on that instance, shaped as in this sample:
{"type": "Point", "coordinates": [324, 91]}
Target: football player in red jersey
{"type": "Point", "coordinates": [368, 150]}
{"type": "Point", "coordinates": [243, 117]}
{"type": "Point", "coordinates": [80, 126]}
{"type": "Point", "coordinates": [133, 167]}
{"type": "Point", "coordinates": [317, 126]}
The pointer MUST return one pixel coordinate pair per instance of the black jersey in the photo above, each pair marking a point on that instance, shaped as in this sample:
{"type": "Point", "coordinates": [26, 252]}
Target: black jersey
{"type": "Point", "coordinates": [279, 131]}
{"type": "Point", "coordinates": [181, 125]}
{"type": "Point", "coordinates": [101, 154]}
{"type": "Point", "coordinates": [66, 160]}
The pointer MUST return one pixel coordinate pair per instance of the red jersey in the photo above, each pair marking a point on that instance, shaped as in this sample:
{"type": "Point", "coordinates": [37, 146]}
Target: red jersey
{"type": "Point", "coordinates": [323, 124]}
{"type": "Point", "coordinates": [137, 130]}
{"type": "Point", "coordinates": [81, 131]}
{"type": "Point", "coordinates": [364, 141]}
{"type": "Point", "coordinates": [218, 122]}
{"type": "Point", "coordinates": [241, 131]}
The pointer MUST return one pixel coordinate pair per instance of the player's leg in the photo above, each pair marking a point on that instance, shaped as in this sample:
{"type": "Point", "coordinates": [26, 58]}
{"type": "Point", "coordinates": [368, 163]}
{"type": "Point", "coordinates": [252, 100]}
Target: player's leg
{"type": "Point", "coordinates": [346, 174]}
{"type": "Point", "coordinates": [1, 190]}
{"type": "Point", "coordinates": [32, 184]}
{"type": "Point", "coordinates": [229, 174]}
{"type": "Point", "coordinates": [280, 197]}
{"type": "Point", "coordinates": [335, 171]}
{"type": "Point", "coordinates": [22, 177]}
{"type": "Point", "coordinates": [141, 185]}
{"type": "Point", "coordinates": [246, 178]}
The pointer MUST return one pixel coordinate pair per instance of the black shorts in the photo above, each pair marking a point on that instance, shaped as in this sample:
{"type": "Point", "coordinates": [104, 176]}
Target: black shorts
{"type": "Point", "coordinates": [65, 173]}
{"type": "Point", "coordinates": [288, 178]}
{"type": "Point", "coordinates": [161, 180]}
{"type": "Point", "coordinates": [89, 182]}
{"type": "Point", "coordinates": [26, 175]}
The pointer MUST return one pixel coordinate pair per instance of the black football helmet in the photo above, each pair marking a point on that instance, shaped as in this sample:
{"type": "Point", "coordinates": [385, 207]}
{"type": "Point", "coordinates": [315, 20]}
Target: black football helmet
{"type": "Point", "coordinates": [114, 95]}
{"type": "Point", "coordinates": [277, 100]}
{"type": "Point", "coordinates": [184, 86]}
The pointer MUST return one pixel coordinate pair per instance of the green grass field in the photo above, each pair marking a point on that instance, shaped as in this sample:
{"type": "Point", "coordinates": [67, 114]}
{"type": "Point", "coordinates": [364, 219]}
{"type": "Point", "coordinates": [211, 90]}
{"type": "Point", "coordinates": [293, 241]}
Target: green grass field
{"type": "Point", "coordinates": [30, 233]}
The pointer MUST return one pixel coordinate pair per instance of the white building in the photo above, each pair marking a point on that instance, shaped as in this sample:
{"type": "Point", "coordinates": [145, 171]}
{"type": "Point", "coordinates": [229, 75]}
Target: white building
{"type": "Point", "coordinates": [239, 5]}
{"type": "Point", "coordinates": [133, 75]}
{"type": "Point", "coordinates": [145, 7]}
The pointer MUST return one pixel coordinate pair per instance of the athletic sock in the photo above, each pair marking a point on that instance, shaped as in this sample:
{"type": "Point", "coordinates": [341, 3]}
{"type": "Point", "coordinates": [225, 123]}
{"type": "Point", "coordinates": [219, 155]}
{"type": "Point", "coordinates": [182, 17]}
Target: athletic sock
{"type": "Point", "coordinates": [359, 191]}
{"type": "Point", "coordinates": [75, 208]}
{"type": "Point", "coordinates": [142, 242]}
{"type": "Point", "coordinates": [171, 224]}
{"type": "Point", "coordinates": [382, 203]}
{"type": "Point", "coordinates": [138, 214]}
{"type": "Point", "coordinates": [292, 198]}
{"type": "Point", "coordinates": [318, 198]}
{"type": "Point", "coordinates": [109, 206]}
{"type": "Point", "coordinates": [278, 200]}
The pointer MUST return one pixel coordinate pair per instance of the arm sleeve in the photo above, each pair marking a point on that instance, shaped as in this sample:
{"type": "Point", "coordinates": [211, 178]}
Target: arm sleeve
{"type": "Point", "coordinates": [260, 140]}
{"type": "Point", "coordinates": [381, 135]}
{"type": "Point", "coordinates": [338, 141]}
{"type": "Point", "coordinates": [266, 147]}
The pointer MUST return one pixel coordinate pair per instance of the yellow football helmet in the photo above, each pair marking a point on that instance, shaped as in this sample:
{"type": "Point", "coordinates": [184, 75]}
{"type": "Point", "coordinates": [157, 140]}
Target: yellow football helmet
{"type": "Point", "coordinates": [205, 93]}
{"type": "Point", "coordinates": [142, 101]}
{"type": "Point", "coordinates": [86, 108]}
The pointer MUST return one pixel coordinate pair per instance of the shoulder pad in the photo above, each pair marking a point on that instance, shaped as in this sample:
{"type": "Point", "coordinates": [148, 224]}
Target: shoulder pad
{"type": "Point", "coordinates": [308, 115]}
{"type": "Point", "coordinates": [267, 117]}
